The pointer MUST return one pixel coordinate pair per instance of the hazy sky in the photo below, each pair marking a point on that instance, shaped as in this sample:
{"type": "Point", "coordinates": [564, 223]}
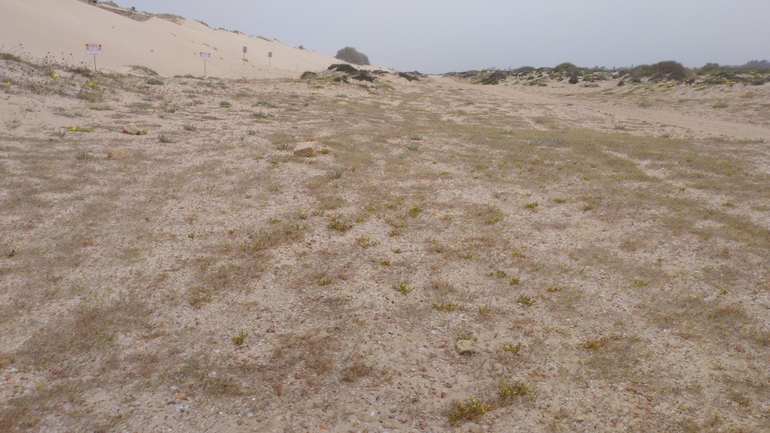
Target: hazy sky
{"type": "Point", "coordinates": [455, 35]}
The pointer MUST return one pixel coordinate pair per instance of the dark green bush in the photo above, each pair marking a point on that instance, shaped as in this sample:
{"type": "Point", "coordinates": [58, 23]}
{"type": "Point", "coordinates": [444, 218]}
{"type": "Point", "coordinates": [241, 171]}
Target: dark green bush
{"type": "Point", "coordinates": [351, 55]}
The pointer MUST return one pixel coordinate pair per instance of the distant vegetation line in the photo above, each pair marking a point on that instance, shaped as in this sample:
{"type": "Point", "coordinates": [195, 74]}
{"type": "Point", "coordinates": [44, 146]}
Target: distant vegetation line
{"type": "Point", "coordinates": [756, 72]}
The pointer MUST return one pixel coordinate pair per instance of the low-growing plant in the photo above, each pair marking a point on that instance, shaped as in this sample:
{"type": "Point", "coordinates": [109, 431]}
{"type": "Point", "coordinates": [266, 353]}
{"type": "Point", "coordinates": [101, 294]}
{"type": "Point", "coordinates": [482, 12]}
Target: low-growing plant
{"type": "Point", "coordinates": [594, 344]}
{"type": "Point", "coordinates": [484, 309]}
{"type": "Point", "coordinates": [513, 348]}
{"type": "Point", "coordinates": [512, 389]}
{"type": "Point", "coordinates": [83, 156]}
{"type": "Point", "coordinates": [448, 306]}
{"type": "Point", "coordinates": [385, 262]}
{"type": "Point", "coordinates": [514, 280]}
{"type": "Point", "coordinates": [531, 205]}
{"type": "Point", "coordinates": [261, 115]}
{"type": "Point", "coordinates": [412, 146]}
{"type": "Point", "coordinates": [415, 211]}
{"type": "Point", "coordinates": [225, 104]}
{"type": "Point", "coordinates": [335, 173]}
{"type": "Point", "coordinates": [554, 289]}
{"type": "Point", "coordinates": [468, 410]}
{"type": "Point", "coordinates": [403, 288]}
{"type": "Point", "coordinates": [559, 200]}
{"type": "Point", "coordinates": [525, 300]}
{"type": "Point", "coordinates": [325, 281]}
{"type": "Point", "coordinates": [336, 224]}
{"type": "Point", "coordinates": [587, 207]}
{"type": "Point", "coordinates": [155, 82]}
{"type": "Point", "coordinates": [190, 128]}
{"type": "Point", "coordinates": [240, 338]}
{"type": "Point", "coordinates": [164, 139]}
{"type": "Point", "coordinates": [365, 242]}
{"type": "Point", "coordinates": [500, 273]}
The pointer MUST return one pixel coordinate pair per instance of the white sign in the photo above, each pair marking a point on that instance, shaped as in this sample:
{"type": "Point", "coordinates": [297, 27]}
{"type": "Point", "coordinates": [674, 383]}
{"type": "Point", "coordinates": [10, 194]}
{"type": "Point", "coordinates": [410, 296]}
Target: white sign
{"type": "Point", "coordinates": [94, 49]}
{"type": "Point", "coordinates": [205, 56]}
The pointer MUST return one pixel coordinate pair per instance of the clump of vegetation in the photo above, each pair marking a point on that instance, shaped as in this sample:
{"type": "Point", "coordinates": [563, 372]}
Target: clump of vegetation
{"type": "Point", "coordinates": [415, 211]}
{"type": "Point", "coordinates": [468, 410]}
{"type": "Point", "coordinates": [351, 55]}
{"type": "Point", "coordinates": [525, 300]}
{"type": "Point", "coordinates": [325, 281]}
{"type": "Point", "coordinates": [403, 288]}
{"type": "Point", "coordinates": [509, 390]}
{"type": "Point", "coordinates": [240, 338]}
{"type": "Point", "coordinates": [366, 242]}
{"type": "Point", "coordinates": [514, 280]}
{"type": "Point", "coordinates": [225, 104]}
{"type": "Point", "coordinates": [513, 348]}
{"type": "Point", "coordinates": [448, 306]}
{"type": "Point", "coordinates": [336, 224]}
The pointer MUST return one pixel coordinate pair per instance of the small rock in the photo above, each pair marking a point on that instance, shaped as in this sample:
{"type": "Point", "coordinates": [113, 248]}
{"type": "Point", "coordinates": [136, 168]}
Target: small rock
{"type": "Point", "coordinates": [753, 366]}
{"type": "Point", "coordinates": [682, 407]}
{"type": "Point", "coordinates": [465, 347]}
{"type": "Point", "coordinates": [133, 130]}
{"type": "Point", "coordinates": [116, 153]}
{"type": "Point", "coordinates": [239, 422]}
{"type": "Point", "coordinates": [740, 348]}
{"type": "Point", "coordinates": [304, 149]}
{"type": "Point", "coordinates": [580, 418]}
{"type": "Point", "coordinates": [181, 397]}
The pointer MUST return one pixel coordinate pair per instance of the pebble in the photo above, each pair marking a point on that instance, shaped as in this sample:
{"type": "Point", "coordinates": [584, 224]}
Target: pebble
{"type": "Point", "coordinates": [580, 418]}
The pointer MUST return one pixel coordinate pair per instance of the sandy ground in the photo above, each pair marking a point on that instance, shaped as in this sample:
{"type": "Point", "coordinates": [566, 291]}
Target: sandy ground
{"type": "Point", "coordinates": [452, 257]}
{"type": "Point", "coordinates": [432, 214]}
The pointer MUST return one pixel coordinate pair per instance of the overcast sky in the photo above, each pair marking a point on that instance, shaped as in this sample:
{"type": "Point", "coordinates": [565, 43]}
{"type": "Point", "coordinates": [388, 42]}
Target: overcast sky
{"type": "Point", "coordinates": [455, 35]}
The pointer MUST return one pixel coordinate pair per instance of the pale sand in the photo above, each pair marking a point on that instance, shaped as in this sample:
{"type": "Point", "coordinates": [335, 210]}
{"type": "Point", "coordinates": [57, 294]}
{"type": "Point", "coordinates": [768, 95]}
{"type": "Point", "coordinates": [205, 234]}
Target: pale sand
{"type": "Point", "coordinates": [61, 28]}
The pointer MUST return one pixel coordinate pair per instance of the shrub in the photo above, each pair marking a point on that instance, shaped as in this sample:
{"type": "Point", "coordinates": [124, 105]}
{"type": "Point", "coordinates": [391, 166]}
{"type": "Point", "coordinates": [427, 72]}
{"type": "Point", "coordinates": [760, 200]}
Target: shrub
{"type": "Point", "coordinates": [351, 55]}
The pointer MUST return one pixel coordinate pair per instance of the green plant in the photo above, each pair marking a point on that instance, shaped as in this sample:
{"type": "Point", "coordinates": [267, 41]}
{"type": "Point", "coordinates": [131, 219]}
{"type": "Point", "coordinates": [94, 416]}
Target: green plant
{"type": "Point", "coordinates": [449, 306]}
{"type": "Point", "coordinates": [365, 242]}
{"type": "Point", "coordinates": [594, 344]}
{"type": "Point", "coordinates": [385, 262]}
{"type": "Point", "coordinates": [325, 281]}
{"type": "Point", "coordinates": [415, 137]}
{"type": "Point", "coordinates": [513, 348]}
{"type": "Point", "coordinates": [484, 309]}
{"type": "Point", "coordinates": [412, 146]}
{"type": "Point", "coordinates": [394, 232]}
{"type": "Point", "coordinates": [190, 128]}
{"type": "Point", "coordinates": [251, 132]}
{"type": "Point", "coordinates": [239, 339]}
{"type": "Point", "coordinates": [720, 105]}
{"type": "Point", "coordinates": [554, 289]}
{"type": "Point", "coordinates": [282, 146]}
{"type": "Point", "coordinates": [170, 108]}
{"type": "Point", "coordinates": [512, 389]}
{"type": "Point", "coordinates": [336, 224]}
{"type": "Point", "coordinates": [83, 156]}
{"type": "Point", "coordinates": [351, 55]}
{"type": "Point", "coordinates": [514, 280]}
{"type": "Point", "coordinates": [335, 173]}
{"type": "Point", "coordinates": [261, 115]}
{"type": "Point", "coordinates": [164, 139]}
{"type": "Point", "coordinates": [638, 282]}
{"type": "Point", "coordinates": [415, 211]}
{"type": "Point", "coordinates": [225, 104]}
{"type": "Point", "coordinates": [531, 205]}
{"type": "Point", "coordinates": [273, 220]}
{"type": "Point", "coordinates": [500, 273]}
{"type": "Point", "coordinates": [525, 300]}
{"type": "Point", "coordinates": [403, 288]}
{"type": "Point", "coordinates": [468, 410]}
{"type": "Point", "coordinates": [154, 82]}
{"type": "Point", "coordinates": [587, 207]}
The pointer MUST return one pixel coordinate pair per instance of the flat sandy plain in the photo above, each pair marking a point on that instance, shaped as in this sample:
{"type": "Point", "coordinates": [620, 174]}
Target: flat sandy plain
{"type": "Point", "coordinates": [601, 255]}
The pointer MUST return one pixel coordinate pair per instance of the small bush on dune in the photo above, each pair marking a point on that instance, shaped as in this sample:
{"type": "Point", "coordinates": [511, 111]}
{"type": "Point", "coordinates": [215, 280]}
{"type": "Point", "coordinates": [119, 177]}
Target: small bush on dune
{"type": "Point", "coordinates": [351, 55]}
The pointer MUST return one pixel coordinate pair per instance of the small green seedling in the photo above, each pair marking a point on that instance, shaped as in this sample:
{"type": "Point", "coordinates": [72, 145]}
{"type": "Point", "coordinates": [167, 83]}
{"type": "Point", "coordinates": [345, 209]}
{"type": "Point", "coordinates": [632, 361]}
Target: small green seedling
{"type": "Point", "coordinates": [403, 288]}
{"type": "Point", "coordinates": [514, 280]}
{"type": "Point", "coordinates": [239, 339]}
{"type": "Point", "coordinates": [525, 300]}
{"type": "Point", "coordinates": [513, 348]}
{"type": "Point", "coordinates": [325, 281]}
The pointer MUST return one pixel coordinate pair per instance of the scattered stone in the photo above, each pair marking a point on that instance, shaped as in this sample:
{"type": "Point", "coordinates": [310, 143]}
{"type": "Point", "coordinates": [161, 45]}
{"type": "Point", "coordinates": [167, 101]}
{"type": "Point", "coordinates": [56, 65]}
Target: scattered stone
{"type": "Point", "coordinates": [133, 130]}
{"type": "Point", "coordinates": [304, 149]}
{"type": "Point", "coordinates": [239, 422]}
{"type": "Point", "coordinates": [465, 347]}
{"type": "Point", "coordinates": [740, 348]}
{"type": "Point", "coordinates": [181, 397]}
{"type": "Point", "coordinates": [580, 418]}
{"type": "Point", "coordinates": [116, 153]}
{"type": "Point", "coordinates": [682, 407]}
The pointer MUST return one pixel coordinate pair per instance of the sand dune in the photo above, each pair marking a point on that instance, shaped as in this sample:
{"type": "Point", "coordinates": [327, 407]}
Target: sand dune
{"type": "Point", "coordinates": [61, 28]}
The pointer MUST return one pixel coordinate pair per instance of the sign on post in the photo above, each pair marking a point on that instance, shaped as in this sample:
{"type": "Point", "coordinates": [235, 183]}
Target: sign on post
{"type": "Point", "coordinates": [244, 55]}
{"type": "Point", "coordinates": [269, 57]}
{"type": "Point", "coordinates": [205, 57]}
{"type": "Point", "coordinates": [94, 50]}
